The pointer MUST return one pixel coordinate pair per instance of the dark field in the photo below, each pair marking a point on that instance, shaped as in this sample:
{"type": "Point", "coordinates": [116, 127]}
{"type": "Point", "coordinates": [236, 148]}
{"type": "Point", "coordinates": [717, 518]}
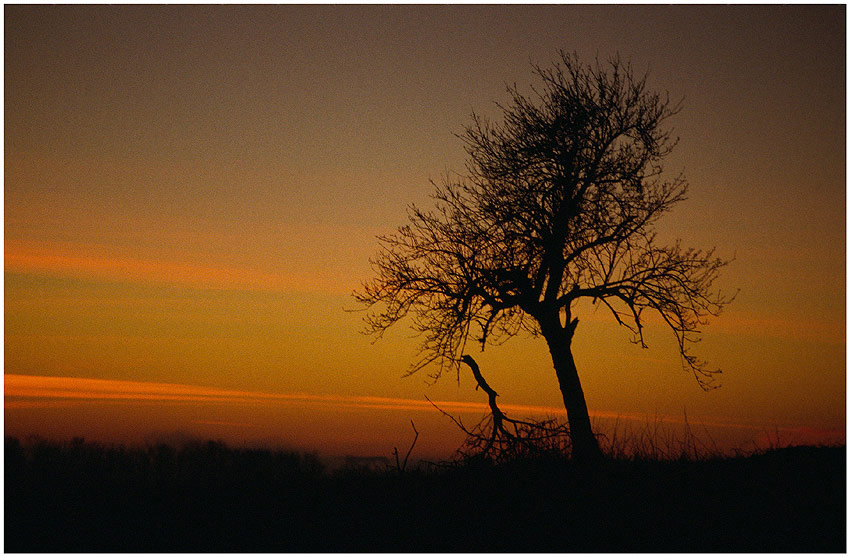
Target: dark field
{"type": "Point", "coordinates": [82, 497]}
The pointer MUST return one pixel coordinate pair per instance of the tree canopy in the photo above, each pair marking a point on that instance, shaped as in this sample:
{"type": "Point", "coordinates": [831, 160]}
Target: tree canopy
{"type": "Point", "coordinates": [558, 202]}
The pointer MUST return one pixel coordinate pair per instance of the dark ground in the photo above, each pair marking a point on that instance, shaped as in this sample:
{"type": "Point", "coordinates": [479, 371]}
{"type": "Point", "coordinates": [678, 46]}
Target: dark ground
{"type": "Point", "coordinates": [82, 497]}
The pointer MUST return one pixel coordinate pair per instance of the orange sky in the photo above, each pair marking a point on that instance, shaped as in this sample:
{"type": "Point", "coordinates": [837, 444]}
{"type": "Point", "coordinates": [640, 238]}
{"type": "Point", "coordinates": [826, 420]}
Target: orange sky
{"type": "Point", "coordinates": [141, 412]}
{"type": "Point", "coordinates": [191, 193]}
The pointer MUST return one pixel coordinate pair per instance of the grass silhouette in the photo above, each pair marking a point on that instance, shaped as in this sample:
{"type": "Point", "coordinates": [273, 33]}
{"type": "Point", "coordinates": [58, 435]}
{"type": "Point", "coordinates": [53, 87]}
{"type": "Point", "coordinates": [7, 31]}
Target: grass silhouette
{"type": "Point", "coordinates": [207, 497]}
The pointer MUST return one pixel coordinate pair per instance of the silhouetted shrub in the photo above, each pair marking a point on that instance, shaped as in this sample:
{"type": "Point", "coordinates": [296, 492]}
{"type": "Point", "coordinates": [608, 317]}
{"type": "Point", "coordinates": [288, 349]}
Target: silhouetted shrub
{"type": "Point", "coordinates": [207, 497]}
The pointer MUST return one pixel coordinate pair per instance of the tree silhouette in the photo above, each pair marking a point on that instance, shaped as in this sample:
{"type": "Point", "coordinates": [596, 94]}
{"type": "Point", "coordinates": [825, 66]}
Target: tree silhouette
{"type": "Point", "coordinates": [558, 203]}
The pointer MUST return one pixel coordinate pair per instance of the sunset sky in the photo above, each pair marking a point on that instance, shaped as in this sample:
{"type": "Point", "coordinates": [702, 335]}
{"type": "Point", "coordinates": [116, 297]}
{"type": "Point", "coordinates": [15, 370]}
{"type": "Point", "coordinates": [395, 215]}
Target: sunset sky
{"type": "Point", "coordinates": [192, 193]}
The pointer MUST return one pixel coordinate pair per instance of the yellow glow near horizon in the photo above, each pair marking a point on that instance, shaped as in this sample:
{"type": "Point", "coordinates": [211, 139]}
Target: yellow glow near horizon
{"type": "Point", "coordinates": [69, 398]}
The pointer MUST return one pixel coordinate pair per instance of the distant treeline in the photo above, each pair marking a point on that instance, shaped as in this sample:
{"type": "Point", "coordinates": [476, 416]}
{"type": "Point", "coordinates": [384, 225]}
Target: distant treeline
{"type": "Point", "coordinates": [207, 497]}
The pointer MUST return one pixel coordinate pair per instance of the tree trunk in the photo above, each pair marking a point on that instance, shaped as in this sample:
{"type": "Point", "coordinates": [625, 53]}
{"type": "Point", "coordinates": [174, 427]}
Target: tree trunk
{"type": "Point", "coordinates": [585, 446]}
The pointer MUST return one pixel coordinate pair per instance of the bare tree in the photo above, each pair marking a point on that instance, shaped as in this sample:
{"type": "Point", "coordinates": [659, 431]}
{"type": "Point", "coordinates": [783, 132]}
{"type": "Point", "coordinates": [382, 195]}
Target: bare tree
{"type": "Point", "coordinates": [558, 203]}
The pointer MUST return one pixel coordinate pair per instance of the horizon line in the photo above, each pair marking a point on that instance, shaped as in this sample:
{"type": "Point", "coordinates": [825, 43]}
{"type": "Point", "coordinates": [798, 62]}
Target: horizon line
{"type": "Point", "coordinates": [29, 391]}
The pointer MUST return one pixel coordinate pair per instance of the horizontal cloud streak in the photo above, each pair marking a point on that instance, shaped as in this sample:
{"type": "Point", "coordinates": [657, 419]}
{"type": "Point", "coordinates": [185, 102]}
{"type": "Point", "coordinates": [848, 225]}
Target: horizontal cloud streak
{"type": "Point", "coordinates": [737, 322]}
{"type": "Point", "coordinates": [27, 388]}
{"type": "Point", "coordinates": [29, 391]}
{"type": "Point", "coordinates": [84, 261]}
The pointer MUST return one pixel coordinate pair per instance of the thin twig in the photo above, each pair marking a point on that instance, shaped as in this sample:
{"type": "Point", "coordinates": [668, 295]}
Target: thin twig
{"type": "Point", "coordinates": [410, 450]}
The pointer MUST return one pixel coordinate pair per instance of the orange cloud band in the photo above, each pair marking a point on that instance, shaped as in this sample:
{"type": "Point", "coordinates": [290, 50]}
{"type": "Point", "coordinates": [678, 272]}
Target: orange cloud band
{"type": "Point", "coordinates": [29, 391]}
{"type": "Point", "coordinates": [78, 261]}
{"type": "Point", "coordinates": [27, 388]}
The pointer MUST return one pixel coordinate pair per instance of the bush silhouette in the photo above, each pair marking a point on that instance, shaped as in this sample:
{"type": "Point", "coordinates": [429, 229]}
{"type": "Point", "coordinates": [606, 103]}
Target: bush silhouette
{"type": "Point", "coordinates": [86, 497]}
